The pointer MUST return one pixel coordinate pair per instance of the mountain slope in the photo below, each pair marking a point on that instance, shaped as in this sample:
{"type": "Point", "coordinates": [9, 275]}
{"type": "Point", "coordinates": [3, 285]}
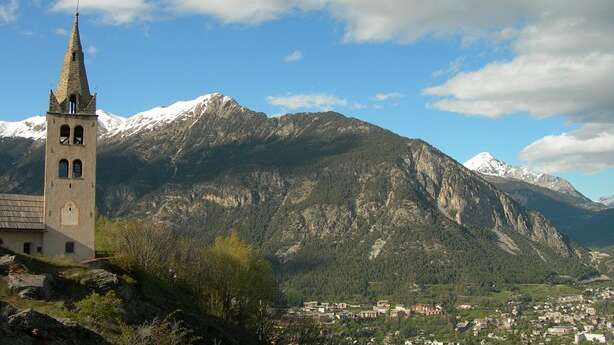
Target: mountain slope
{"type": "Point", "coordinates": [335, 202]}
{"type": "Point", "coordinates": [572, 213]}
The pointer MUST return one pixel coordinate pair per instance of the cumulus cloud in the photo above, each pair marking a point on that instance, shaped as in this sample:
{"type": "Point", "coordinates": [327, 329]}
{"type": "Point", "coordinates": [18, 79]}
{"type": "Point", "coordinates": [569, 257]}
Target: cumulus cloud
{"type": "Point", "coordinates": [295, 56]}
{"type": "Point", "coordinates": [538, 84]}
{"type": "Point", "coordinates": [562, 63]}
{"type": "Point", "coordinates": [239, 11]}
{"type": "Point", "coordinates": [588, 149]}
{"type": "Point", "coordinates": [312, 101]}
{"type": "Point", "coordinates": [112, 11]}
{"type": "Point", "coordinates": [8, 11]}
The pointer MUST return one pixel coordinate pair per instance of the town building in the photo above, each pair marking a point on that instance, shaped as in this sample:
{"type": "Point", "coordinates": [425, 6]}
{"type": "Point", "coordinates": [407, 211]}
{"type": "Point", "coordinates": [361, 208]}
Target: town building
{"type": "Point", "coordinates": [62, 221]}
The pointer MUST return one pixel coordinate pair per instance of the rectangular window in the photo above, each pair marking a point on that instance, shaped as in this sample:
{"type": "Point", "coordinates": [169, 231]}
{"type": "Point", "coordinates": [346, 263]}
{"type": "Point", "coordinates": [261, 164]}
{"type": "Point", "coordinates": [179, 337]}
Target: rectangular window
{"type": "Point", "coordinates": [27, 248]}
{"type": "Point", "coordinates": [70, 247]}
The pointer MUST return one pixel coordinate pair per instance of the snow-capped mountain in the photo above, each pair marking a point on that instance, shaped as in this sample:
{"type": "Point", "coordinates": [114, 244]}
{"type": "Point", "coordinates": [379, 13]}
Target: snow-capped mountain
{"type": "Point", "coordinates": [111, 125]}
{"type": "Point", "coordinates": [608, 201]}
{"type": "Point", "coordinates": [31, 128]}
{"type": "Point", "coordinates": [108, 121]}
{"type": "Point", "coordinates": [160, 116]}
{"type": "Point", "coordinates": [36, 127]}
{"type": "Point", "coordinates": [486, 164]}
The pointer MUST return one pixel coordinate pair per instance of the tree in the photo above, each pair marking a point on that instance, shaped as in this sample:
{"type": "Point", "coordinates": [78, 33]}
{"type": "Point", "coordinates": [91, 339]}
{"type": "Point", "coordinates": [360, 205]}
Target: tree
{"type": "Point", "coordinates": [239, 279]}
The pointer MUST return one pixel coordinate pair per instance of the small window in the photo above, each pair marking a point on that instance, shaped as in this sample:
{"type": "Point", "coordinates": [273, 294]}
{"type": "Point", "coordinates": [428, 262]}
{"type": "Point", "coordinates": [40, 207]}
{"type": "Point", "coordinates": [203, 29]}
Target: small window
{"type": "Point", "coordinates": [70, 247]}
{"type": "Point", "coordinates": [64, 134]}
{"type": "Point", "coordinates": [63, 169]}
{"type": "Point", "coordinates": [78, 138]}
{"type": "Point", "coordinates": [74, 56]}
{"type": "Point", "coordinates": [72, 104]}
{"type": "Point", "coordinates": [1, 242]}
{"type": "Point", "coordinates": [77, 169]}
{"type": "Point", "coordinates": [27, 248]}
{"type": "Point", "coordinates": [39, 250]}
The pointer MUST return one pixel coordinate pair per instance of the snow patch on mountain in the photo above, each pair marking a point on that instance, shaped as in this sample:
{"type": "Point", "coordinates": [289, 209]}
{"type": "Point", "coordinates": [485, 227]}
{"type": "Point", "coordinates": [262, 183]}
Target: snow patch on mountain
{"type": "Point", "coordinates": [608, 201]}
{"type": "Point", "coordinates": [108, 121]}
{"type": "Point", "coordinates": [111, 125]}
{"type": "Point", "coordinates": [486, 164]}
{"type": "Point", "coordinates": [159, 116]}
{"type": "Point", "coordinates": [35, 127]}
{"type": "Point", "coordinates": [32, 128]}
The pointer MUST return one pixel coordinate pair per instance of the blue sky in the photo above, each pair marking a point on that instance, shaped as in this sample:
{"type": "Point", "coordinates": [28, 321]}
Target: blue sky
{"type": "Point", "coordinates": [463, 86]}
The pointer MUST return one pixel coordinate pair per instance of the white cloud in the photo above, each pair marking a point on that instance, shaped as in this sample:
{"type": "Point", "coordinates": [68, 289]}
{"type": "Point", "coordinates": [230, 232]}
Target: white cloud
{"type": "Point", "coordinates": [61, 32]}
{"type": "Point", "coordinates": [312, 101]}
{"type": "Point", "coordinates": [380, 97]}
{"type": "Point", "coordinates": [8, 11]}
{"type": "Point", "coordinates": [236, 11]}
{"type": "Point", "coordinates": [588, 149]}
{"type": "Point", "coordinates": [562, 63]}
{"type": "Point", "coordinates": [112, 11]}
{"type": "Point", "coordinates": [92, 50]}
{"type": "Point", "coordinates": [538, 84]}
{"type": "Point", "coordinates": [295, 56]}
{"type": "Point", "coordinates": [560, 68]}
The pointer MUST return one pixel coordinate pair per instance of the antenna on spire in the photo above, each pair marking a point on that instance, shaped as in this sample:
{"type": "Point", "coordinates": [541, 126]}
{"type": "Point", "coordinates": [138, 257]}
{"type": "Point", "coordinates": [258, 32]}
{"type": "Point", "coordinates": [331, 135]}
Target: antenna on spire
{"type": "Point", "coordinates": [77, 11]}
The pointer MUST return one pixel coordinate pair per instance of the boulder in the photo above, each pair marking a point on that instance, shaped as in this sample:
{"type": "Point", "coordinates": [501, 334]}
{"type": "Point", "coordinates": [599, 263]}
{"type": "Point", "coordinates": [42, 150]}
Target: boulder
{"type": "Point", "coordinates": [34, 322]}
{"type": "Point", "coordinates": [31, 286]}
{"type": "Point", "coordinates": [100, 280]}
{"type": "Point", "coordinates": [10, 264]}
{"type": "Point", "coordinates": [31, 327]}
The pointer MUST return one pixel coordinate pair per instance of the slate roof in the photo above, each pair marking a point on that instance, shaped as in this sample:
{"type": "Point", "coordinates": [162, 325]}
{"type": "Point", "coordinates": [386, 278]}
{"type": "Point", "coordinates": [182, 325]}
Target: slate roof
{"type": "Point", "coordinates": [21, 212]}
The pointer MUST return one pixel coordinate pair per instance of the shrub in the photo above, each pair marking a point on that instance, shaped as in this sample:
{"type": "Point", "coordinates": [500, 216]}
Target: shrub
{"type": "Point", "coordinates": [101, 312]}
{"type": "Point", "coordinates": [160, 332]}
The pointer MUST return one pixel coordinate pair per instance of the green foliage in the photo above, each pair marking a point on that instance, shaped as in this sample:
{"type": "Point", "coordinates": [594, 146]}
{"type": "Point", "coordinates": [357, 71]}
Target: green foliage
{"type": "Point", "coordinates": [229, 279]}
{"type": "Point", "coordinates": [160, 332]}
{"type": "Point", "coordinates": [101, 312]}
{"type": "Point", "coordinates": [238, 279]}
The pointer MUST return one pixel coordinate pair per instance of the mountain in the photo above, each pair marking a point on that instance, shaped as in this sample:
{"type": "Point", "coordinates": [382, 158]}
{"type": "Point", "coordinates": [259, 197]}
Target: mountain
{"type": "Point", "coordinates": [485, 164]}
{"type": "Point", "coordinates": [608, 201]}
{"type": "Point", "coordinates": [583, 220]}
{"type": "Point", "coordinates": [36, 127]}
{"type": "Point", "coordinates": [339, 205]}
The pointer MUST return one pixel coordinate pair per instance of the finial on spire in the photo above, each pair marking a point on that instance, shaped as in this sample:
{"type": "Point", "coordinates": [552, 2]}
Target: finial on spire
{"type": "Point", "coordinates": [77, 11]}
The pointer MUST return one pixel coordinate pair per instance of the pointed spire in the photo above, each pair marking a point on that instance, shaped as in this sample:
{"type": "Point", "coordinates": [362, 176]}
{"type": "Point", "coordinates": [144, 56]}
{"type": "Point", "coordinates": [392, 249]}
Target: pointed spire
{"type": "Point", "coordinates": [73, 91]}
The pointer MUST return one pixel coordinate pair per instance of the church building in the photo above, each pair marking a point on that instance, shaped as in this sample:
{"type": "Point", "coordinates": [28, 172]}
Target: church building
{"type": "Point", "coordinates": [62, 221]}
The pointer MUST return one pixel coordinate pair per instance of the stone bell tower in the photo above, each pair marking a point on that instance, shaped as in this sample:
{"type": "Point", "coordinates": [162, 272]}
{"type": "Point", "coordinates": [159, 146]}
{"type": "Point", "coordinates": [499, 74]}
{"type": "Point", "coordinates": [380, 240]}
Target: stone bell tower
{"type": "Point", "coordinates": [70, 160]}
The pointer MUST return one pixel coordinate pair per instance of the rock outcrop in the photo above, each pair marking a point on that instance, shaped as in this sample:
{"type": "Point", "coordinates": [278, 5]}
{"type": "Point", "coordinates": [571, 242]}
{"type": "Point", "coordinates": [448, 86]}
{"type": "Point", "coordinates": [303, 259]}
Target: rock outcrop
{"type": "Point", "coordinates": [30, 286]}
{"type": "Point", "coordinates": [29, 327]}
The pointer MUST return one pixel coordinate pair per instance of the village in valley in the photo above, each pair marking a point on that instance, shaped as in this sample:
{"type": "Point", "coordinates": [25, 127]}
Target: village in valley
{"type": "Point", "coordinates": [582, 318]}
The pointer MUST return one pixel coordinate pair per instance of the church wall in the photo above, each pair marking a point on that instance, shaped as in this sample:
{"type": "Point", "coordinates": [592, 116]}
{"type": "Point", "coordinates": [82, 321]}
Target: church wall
{"type": "Point", "coordinates": [14, 240]}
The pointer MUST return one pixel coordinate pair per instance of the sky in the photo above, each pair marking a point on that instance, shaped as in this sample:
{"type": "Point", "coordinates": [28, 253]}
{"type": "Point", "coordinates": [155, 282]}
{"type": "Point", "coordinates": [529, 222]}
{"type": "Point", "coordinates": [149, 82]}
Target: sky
{"type": "Point", "coordinates": [529, 81]}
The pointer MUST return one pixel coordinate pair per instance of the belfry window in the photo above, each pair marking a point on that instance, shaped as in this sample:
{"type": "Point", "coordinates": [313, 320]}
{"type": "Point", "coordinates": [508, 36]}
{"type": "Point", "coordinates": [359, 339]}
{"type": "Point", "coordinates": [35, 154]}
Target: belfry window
{"type": "Point", "coordinates": [78, 136]}
{"type": "Point", "coordinates": [72, 104]}
{"type": "Point", "coordinates": [64, 134]}
{"type": "Point", "coordinates": [74, 56]}
{"type": "Point", "coordinates": [63, 169]}
{"type": "Point", "coordinates": [77, 169]}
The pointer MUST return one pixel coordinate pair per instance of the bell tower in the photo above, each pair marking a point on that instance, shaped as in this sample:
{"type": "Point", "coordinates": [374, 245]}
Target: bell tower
{"type": "Point", "coordinates": [70, 159]}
